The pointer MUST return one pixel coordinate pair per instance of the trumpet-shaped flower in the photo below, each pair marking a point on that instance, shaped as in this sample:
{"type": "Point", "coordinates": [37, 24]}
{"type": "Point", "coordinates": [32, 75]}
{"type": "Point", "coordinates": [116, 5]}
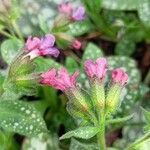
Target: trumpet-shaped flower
{"type": "Point", "coordinates": [35, 47]}
{"type": "Point", "coordinates": [59, 79]}
{"type": "Point", "coordinates": [95, 69]}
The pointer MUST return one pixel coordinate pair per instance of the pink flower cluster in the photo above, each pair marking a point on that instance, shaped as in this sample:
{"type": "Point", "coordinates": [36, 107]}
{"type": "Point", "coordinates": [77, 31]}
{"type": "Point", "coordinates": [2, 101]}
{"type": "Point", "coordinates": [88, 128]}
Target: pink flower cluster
{"type": "Point", "coordinates": [41, 46]}
{"type": "Point", "coordinates": [94, 70]}
{"type": "Point", "coordinates": [60, 80]}
{"type": "Point", "coordinates": [77, 14]}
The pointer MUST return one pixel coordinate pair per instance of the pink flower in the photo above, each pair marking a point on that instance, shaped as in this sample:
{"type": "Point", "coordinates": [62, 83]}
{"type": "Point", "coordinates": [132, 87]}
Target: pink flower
{"type": "Point", "coordinates": [65, 8]}
{"type": "Point", "coordinates": [59, 79]}
{"type": "Point", "coordinates": [79, 14]}
{"type": "Point", "coordinates": [76, 44]}
{"type": "Point", "coordinates": [96, 69]}
{"type": "Point", "coordinates": [119, 76]}
{"type": "Point", "coordinates": [40, 47]}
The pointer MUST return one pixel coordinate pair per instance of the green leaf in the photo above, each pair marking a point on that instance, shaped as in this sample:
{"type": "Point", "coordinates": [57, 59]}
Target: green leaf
{"type": "Point", "coordinates": [125, 47]}
{"type": "Point", "coordinates": [43, 24]}
{"type": "Point", "coordinates": [144, 11]}
{"type": "Point", "coordinates": [10, 48]}
{"type": "Point", "coordinates": [92, 52]}
{"type": "Point", "coordinates": [71, 64]}
{"type": "Point", "coordinates": [119, 120]}
{"type": "Point", "coordinates": [43, 64]}
{"type": "Point", "coordinates": [147, 118]}
{"type": "Point", "coordinates": [1, 83]}
{"type": "Point", "coordinates": [120, 4]}
{"type": "Point", "coordinates": [46, 142]}
{"type": "Point", "coordinates": [20, 117]}
{"type": "Point", "coordinates": [144, 146]}
{"type": "Point", "coordinates": [83, 133]}
{"type": "Point", "coordinates": [76, 145]}
{"type": "Point", "coordinates": [79, 28]}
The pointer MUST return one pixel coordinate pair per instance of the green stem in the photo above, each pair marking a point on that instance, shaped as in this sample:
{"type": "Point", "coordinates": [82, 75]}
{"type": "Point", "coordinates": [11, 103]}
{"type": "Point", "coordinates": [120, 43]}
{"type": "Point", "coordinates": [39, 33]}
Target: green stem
{"type": "Point", "coordinates": [101, 134]}
{"type": "Point", "coordinates": [139, 141]}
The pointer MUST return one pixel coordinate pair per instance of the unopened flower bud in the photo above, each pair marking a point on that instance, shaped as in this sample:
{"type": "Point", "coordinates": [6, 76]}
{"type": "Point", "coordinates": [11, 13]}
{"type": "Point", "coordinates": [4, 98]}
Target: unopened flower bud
{"type": "Point", "coordinates": [118, 80]}
{"type": "Point", "coordinates": [76, 44]}
{"type": "Point", "coordinates": [96, 73]}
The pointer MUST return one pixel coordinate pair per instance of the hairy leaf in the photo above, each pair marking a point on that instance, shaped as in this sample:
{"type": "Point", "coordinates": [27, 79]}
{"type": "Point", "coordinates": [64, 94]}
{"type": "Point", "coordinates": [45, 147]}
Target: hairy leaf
{"type": "Point", "coordinates": [83, 133]}
{"type": "Point", "coordinates": [21, 117]}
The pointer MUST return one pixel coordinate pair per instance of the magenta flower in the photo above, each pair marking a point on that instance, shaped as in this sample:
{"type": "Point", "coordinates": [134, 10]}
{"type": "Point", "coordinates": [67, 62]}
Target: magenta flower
{"type": "Point", "coordinates": [96, 69]}
{"type": "Point", "coordinates": [119, 76]}
{"type": "Point", "coordinates": [79, 14]}
{"type": "Point", "coordinates": [59, 79]}
{"type": "Point", "coordinates": [40, 47]}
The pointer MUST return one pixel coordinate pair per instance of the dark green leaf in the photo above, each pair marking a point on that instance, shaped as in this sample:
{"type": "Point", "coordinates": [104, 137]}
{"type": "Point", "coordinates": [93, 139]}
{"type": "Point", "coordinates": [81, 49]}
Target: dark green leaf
{"type": "Point", "coordinates": [125, 46]}
{"type": "Point", "coordinates": [22, 118]}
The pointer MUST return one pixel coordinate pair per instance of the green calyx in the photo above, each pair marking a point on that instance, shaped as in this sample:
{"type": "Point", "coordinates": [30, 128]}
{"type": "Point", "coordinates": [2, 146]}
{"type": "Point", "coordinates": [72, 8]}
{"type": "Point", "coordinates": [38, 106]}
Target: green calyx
{"type": "Point", "coordinates": [112, 98]}
{"type": "Point", "coordinates": [98, 94]}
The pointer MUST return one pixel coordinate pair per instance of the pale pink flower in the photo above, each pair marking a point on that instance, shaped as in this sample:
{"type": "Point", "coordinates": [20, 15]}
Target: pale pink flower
{"type": "Point", "coordinates": [95, 69]}
{"type": "Point", "coordinates": [119, 76]}
{"type": "Point", "coordinates": [59, 79]}
{"type": "Point", "coordinates": [41, 46]}
{"type": "Point", "coordinates": [65, 8]}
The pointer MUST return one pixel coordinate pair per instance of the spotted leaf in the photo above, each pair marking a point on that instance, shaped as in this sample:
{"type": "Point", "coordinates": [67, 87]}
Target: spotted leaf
{"type": "Point", "coordinates": [20, 117]}
{"type": "Point", "coordinates": [92, 52]}
{"type": "Point", "coordinates": [83, 133]}
{"type": "Point", "coordinates": [79, 28]}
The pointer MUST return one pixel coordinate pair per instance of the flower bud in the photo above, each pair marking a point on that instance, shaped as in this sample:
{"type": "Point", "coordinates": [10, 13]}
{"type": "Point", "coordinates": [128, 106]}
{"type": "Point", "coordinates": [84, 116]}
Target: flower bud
{"type": "Point", "coordinates": [118, 80]}
{"type": "Point", "coordinates": [96, 72]}
{"type": "Point", "coordinates": [76, 44]}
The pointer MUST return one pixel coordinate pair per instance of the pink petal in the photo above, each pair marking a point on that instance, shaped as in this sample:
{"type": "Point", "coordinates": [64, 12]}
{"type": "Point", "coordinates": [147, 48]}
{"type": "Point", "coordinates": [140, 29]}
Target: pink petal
{"type": "Point", "coordinates": [89, 68]}
{"type": "Point", "coordinates": [47, 42]}
{"type": "Point", "coordinates": [119, 76]}
{"type": "Point", "coordinates": [65, 8]}
{"type": "Point", "coordinates": [79, 14]}
{"type": "Point", "coordinates": [50, 51]}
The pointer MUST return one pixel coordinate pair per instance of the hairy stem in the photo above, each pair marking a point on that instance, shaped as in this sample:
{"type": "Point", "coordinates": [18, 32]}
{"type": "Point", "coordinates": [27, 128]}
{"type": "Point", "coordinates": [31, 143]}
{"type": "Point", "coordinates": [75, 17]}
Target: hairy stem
{"type": "Point", "coordinates": [101, 134]}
